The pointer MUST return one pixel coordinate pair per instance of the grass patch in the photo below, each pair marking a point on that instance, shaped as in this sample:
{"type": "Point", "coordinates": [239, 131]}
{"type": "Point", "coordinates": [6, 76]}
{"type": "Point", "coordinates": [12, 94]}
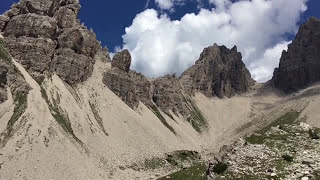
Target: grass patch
{"type": "Point", "coordinates": [289, 118]}
{"type": "Point", "coordinates": [3, 53]}
{"type": "Point", "coordinates": [259, 137]}
{"type": "Point", "coordinates": [313, 134]}
{"type": "Point", "coordinates": [175, 159]}
{"type": "Point", "coordinates": [255, 139]}
{"type": "Point", "coordinates": [162, 119]}
{"type": "Point", "coordinates": [316, 174]}
{"type": "Point", "coordinates": [98, 118]}
{"type": "Point", "coordinates": [178, 157]}
{"type": "Point", "coordinates": [21, 104]}
{"type": "Point", "coordinates": [187, 155]}
{"type": "Point", "coordinates": [197, 120]}
{"type": "Point", "coordinates": [287, 158]}
{"type": "Point", "coordinates": [220, 168]}
{"type": "Point", "coordinates": [56, 112]}
{"type": "Point", "coordinates": [196, 172]}
{"type": "Point", "coordinates": [280, 166]}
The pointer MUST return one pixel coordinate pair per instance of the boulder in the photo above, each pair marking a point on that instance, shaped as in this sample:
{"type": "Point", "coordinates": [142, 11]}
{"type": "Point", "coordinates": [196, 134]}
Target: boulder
{"type": "Point", "coordinates": [41, 7]}
{"type": "Point", "coordinates": [122, 60]}
{"type": "Point", "coordinates": [67, 16]}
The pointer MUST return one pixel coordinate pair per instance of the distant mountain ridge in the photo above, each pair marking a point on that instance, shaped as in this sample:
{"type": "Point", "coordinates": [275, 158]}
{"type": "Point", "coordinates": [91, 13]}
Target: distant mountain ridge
{"type": "Point", "coordinates": [219, 72]}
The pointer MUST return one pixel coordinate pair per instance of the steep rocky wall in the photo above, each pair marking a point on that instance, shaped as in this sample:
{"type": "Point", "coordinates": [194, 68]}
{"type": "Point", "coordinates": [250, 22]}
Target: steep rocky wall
{"type": "Point", "coordinates": [218, 72]}
{"type": "Point", "coordinates": [300, 65]}
{"type": "Point", "coordinates": [46, 36]}
{"type": "Point", "coordinates": [10, 77]}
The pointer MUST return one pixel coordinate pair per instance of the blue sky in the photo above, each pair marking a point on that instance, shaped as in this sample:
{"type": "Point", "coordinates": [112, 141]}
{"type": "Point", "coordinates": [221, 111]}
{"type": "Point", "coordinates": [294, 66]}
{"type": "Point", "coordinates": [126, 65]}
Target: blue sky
{"type": "Point", "coordinates": [168, 38]}
{"type": "Point", "coordinates": [109, 18]}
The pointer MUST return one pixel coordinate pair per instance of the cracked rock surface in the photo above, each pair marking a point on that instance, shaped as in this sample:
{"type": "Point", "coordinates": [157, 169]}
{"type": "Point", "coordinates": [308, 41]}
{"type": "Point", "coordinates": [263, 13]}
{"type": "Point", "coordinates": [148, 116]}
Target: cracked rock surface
{"type": "Point", "coordinates": [45, 36]}
{"type": "Point", "coordinates": [300, 64]}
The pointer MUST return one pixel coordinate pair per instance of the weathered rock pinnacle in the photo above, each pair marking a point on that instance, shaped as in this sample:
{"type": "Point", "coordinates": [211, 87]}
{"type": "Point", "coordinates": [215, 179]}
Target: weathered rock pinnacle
{"type": "Point", "coordinates": [218, 72]}
{"type": "Point", "coordinates": [300, 65]}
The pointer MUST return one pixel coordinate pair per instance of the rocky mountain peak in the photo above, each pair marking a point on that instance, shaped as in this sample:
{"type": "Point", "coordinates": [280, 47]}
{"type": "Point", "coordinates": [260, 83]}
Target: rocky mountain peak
{"type": "Point", "coordinates": [218, 72]}
{"type": "Point", "coordinates": [122, 60]}
{"type": "Point", "coordinates": [300, 65]}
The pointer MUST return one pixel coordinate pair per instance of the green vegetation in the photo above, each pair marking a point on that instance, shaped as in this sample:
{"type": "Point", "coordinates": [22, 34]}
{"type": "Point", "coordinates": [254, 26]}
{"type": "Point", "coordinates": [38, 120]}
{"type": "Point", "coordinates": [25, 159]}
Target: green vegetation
{"type": "Point", "coordinates": [220, 168]}
{"type": "Point", "coordinates": [3, 54]}
{"type": "Point", "coordinates": [263, 138]}
{"type": "Point", "coordinates": [197, 120]}
{"type": "Point", "coordinates": [97, 117]}
{"type": "Point", "coordinates": [178, 157]}
{"type": "Point", "coordinates": [289, 118]}
{"type": "Point", "coordinates": [20, 98]}
{"type": "Point", "coordinates": [56, 112]}
{"type": "Point", "coordinates": [260, 136]}
{"type": "Point", "coordinates": [162, 119]}
{"type": "Point", "coordinates": [21, 104]}
{"type": "Point", "coordinates": [187, 155]}
{"type": "Point", "coordinates": [196, 172]}
{"type": "Point", "coordinates": [316, 174]}
{"type": "Point", "coordinates": [174, 159]}
{"type": "Point", "coordinates": [313, 134]}
{"type": "Point", "coordinates": [287, 158]}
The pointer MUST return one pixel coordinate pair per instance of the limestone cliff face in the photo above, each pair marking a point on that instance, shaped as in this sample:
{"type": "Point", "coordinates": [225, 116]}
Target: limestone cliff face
{"type": "Point", "coordinates": [119, 81]}
{"type": "Point", "coordinates": [168, 94]}
{"type": "Point", "coordinates": [218, 72]}
{"type": "Point", "coordinates": [11, 77]}
{"type": "Point", "coordinates": [46, 36]}
{"type": "Point", "coordinates": [300, 65]}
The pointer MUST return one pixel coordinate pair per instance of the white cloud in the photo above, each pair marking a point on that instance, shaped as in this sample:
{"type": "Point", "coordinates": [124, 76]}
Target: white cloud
{"type": "Point", "coordinates": [220, 4]}
{"type": "Point", "coordinates": [168, 4]}
{"type": "Point", "coordinates": [263, 68]}
{"type": "Point", "coordinates": [165, 4]}
{"type": "Point", "coordinates": [159, 45]}
{"type": "Point", "coordinates": [147, 4]}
